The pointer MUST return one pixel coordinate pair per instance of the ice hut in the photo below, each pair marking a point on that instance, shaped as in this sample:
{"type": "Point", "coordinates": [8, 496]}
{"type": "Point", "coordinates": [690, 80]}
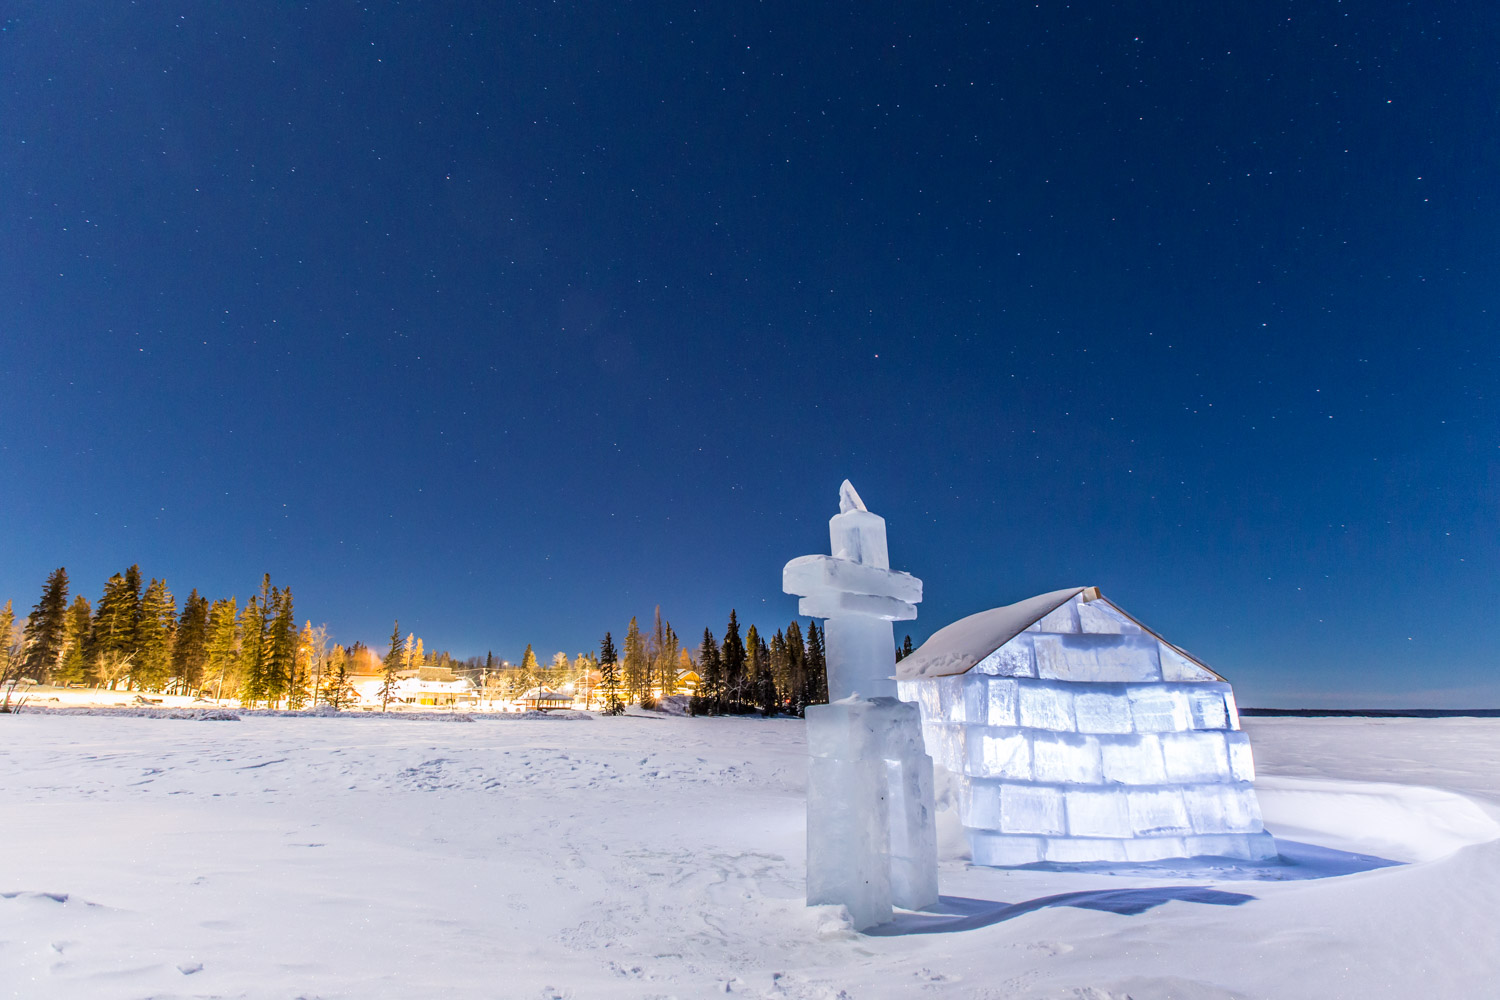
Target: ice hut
{"type": "Point", "coordinates": [1076, 734]}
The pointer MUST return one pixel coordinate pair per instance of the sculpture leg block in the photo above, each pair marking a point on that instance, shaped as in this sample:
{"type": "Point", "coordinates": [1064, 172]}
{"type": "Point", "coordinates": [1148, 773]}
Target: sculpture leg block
{"type": "Point", "coordinates": [847, 833]}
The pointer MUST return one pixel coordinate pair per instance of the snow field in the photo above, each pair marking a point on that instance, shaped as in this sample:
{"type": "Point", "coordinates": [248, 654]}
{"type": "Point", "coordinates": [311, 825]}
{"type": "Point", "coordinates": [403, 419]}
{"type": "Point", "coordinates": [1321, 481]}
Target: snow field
{"type": "Point", "coordinates": [653, 858]}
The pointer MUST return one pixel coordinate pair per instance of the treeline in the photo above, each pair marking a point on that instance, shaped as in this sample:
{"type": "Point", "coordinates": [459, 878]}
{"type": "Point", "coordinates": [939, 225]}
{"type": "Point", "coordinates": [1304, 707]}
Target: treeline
{"type": "Point", "coordinates": [137, 638]}
{"type": "Point", "coordinates": [739, 675]}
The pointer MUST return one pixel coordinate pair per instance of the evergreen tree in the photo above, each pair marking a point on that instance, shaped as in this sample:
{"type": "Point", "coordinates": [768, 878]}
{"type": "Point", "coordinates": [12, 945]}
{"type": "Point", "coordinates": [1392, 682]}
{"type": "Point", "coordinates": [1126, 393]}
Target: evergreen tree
{"type": "Point", "coordinates": [47, 629]}
{"type": "Point", "coordinates": [709, 698]}
{"type": "Point", "coordinates": [281, 643]}
{"type": "Point", "coordinates": [153, 637]}
{"type": "Point", "coordinates": [531, 671]}
{"type": "Point", "coordinates": [796, 657]}
{"type": "Point", "coordinates": [635, 665]}
{"type": "Point", "coordinates": [669, 657]}
{"type": "Point", "coordinates": [393, 660]}
{"type": "Point", "coordinates": [732, 655]}
{"type": "Point", "coordinates": [252, 658]}
{"type": "Point", "coordinates": [767, 697]}
{"type": "Point", "coordinates": [779, 673]}
{"type": "Point", "coordinates": [904, 650]}
{"type": "Point", "coordinates": [817, 667]}
{"type": "Point", "coordinates": [223, 645]}
{"type": "Point", "coordinates": [609, 676]}
{"type": "Point", "coordinates": [190, 650]}
{"type": "Point", "coordinates": [111, 643]}
{"type": "Point", "coordinates": [337, 690]}
{"type": "Point", "coordinates": [75, 664]}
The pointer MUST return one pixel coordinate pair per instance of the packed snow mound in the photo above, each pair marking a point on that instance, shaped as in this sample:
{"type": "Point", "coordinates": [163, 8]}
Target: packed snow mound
{"type": "Point", "coordinates": [676, 704]}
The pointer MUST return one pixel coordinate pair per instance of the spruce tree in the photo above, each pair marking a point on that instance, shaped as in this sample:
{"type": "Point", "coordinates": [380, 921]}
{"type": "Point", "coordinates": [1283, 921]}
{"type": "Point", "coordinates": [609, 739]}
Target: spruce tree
{"type": "Point", "coordinates": [47, 629]}
{"type": "Point", "coordinates": [635, 665]}
{"type": "Point", "coordinates": [609, 676]}
{"type": "Point", "coordinates": [111, 643]}
{"type": "Point", "coordinates": [779, 667]}
{"type": "Point", "coordinates": [817, 667]}
{"type": "Point", "coordinates": [796, 656]}
{"type": "Point", "coordinates": [252, 660]}
{"type": "Point", "coordinates": [732, 655]}
{"type": "Point", "coordinates": [765, 680]}
{"type": "Point", "coordinates": [392, 663]}
{"type": "Point", "coordinates": [904, 650]}
{"type": "Point", "coordinates": [153, 637]}
{"type": "Point", "coordinates": [75, 664]}
{"type": "Point", "coordinates": [709, 698]}
{"type": "Point", "coordinates": [190, 649]}
{"type": "Point", "coordinates": [223, 645]}
{"type": "Point", "coordinates": [281, 642]}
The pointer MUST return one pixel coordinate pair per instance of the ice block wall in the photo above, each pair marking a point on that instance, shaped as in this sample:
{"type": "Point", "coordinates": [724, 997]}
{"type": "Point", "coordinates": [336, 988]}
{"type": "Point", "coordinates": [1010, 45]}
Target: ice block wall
{"type": "Point", "coordinates": [1085, 738]}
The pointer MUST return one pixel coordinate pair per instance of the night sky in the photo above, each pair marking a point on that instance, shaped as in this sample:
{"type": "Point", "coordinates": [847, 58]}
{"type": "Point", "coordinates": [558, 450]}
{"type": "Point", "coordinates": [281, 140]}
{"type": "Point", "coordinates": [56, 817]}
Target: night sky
{"type": "Point", "coordinates": [513, 321]}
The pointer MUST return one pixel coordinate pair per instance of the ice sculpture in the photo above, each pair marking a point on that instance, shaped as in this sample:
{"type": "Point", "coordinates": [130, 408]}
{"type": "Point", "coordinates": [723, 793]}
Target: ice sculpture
{"type": "Point", "coordinates": [871, 829]}
{"type": "Point", "coordinates": [1076, 735]}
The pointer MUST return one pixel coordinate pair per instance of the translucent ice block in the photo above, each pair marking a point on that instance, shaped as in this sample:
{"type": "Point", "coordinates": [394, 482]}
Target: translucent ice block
{"type": "Point", "coordinates": [979, 803]}
{"type": "Point", "coordinates": [847, 825]}
{"type": "Point", "coordinates": [1031, 809]}
{"type": "Point", "coordinates": [859, 536]}
{"type": "Point", "coordinates": [861, 658]}
{"type": "Point", "coordinates": [1045, 706]}
{"type": "Point", "coordinates": [999, 753]}
{"type": "Point", "coordinates": [989, 701]}
{"type": "Point", "coordinates": [1241, 763]}
{"type": "Point", "coordinates": [1206, 704]}
{"type": "Point", "coordinates": [1097, 812]}
{"type": "Point", "coordinates": [1004, 850]}
{"type": "Point", "coordinates": [1156, 812]}
{"type": "Point", "coordinates": [1195, 756]}
{"type": "Point", "coordinates": [1100, 617]}
{"type": "Point", "coordinates": [1102, 709]}
{"type": "Point", "coordinates": [1132, 760]}
{"type": "Point", "coordinates": [1155, 708]}
{"type": "Point", "coordinates": [1063, 619]}
{"type": "Point", "coordinates": [1065, 758]}
{"type": "Point", "coordinates": [1097, 657]}
{"type": "Point", "coordinates": [1080, 850]}
{"type": "Point", "coordinates": [1014, 659]}
{"type": "Point", "coordinates": [1222, 808]}
{"type": "Point", "coordinates": [1176, 667]}
{"type": "Point", "coordinates": [913, 829]}
{"type": "Point", "coordinates": [1141, 849]}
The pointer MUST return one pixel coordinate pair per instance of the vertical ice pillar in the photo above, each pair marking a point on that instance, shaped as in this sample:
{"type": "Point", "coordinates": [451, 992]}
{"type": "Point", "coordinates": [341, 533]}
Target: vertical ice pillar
{"type": "Point", "coordinates": [871, 830]}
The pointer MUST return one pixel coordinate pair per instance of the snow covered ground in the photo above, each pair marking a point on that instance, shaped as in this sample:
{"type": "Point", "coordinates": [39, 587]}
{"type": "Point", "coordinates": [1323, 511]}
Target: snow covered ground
{"type": "Point", "coordinates": [663, 857]}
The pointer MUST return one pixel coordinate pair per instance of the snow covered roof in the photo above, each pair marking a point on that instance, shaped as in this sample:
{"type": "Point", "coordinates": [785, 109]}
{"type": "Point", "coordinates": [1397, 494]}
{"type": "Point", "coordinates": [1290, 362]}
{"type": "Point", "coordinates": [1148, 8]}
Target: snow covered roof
{"type": "Point", "coordinates": [955, 648]}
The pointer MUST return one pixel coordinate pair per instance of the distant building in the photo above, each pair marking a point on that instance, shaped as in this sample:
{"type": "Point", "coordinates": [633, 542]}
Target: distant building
{"type": "Point", "coordinates": [423, 687]}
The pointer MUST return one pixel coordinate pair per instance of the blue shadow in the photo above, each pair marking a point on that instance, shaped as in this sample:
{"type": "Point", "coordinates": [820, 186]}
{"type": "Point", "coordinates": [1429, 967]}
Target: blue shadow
{"type": "Point", "coordinates": [959, 913]}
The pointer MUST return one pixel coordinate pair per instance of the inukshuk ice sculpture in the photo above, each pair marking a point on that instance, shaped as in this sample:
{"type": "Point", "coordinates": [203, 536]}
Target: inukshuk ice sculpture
{"type": "Point", "coordinates": [1078, 735]}
{"type": "Point", "coordinates": [871, 829]}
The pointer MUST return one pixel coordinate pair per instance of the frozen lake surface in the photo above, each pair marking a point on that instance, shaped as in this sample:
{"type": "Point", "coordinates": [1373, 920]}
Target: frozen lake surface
{"type": "Point", "coordinates": [663, 857]}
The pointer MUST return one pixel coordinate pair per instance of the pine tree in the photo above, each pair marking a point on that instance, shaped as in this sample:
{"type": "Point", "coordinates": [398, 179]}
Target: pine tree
{"type": "Point", "coordinates": [281, 642]}
{"type": "Point", "coordinates": [337, 689]}
{"type": "Point", "coordinates": [393, 661]}
{"type": "Point", "coordinates": [732, 655]}
{"type": "Point", "coordinates": [11, 651]}
{"type": "Point", "coordinates": [609, 676]}
{"type": "Point", "coordinates": [223, 644]}
{"type": "Point", "coordinates": [635, 665]}
{"type": "Point", "coordinates": [190, 650]}
{"type": "Point", "coordinates": [779, 673]}
{"type": "Point", "coordinates": [904, 650]}
{"type": "Point", "coordinates": [709, 698]}
{"type": "Point", "coordinates": [796, 658]}
{"type": "Point", "coordinates": [153, 637]}
{"type": "Point", "coordinates": [669, 657]}
{"type": "Point", "coordinates": [252, 659]}
{"type": "Point", "coordinates": [817, 667]}
{"type": "Point", "coordinates": [765, 680]}
{"type": "Point", "coordinates": [111, 644]}
{"type": "Point", "coordinates": [47, 629]}
{"type": "Point", "coordinates": [75, 664]}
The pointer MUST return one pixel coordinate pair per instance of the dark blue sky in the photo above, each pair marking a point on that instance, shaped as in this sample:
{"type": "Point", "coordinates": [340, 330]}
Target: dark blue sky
{"type": "Point", "coordinates": [514, 321]}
